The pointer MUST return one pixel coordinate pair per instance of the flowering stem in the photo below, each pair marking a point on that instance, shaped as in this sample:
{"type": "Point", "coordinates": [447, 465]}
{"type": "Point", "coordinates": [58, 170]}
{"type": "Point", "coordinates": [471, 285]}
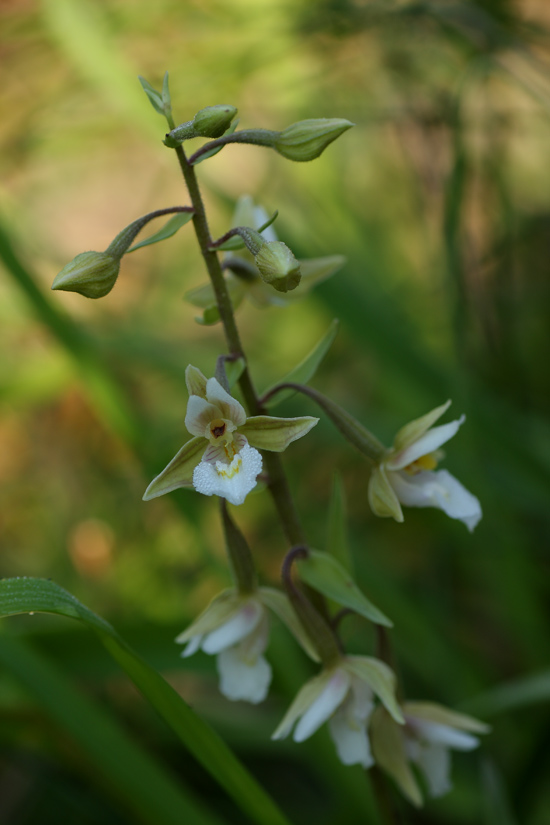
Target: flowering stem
{"type": "Point", "coordinates": [278, 484]}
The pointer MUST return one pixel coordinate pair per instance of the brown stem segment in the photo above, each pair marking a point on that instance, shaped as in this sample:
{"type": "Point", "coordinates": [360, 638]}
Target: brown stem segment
{"type": "Point", "coordinates": [278, 484]}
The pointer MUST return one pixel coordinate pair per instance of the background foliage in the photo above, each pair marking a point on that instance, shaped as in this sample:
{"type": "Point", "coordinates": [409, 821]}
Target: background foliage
{"type": "Point", "coordinates": [440, 198]}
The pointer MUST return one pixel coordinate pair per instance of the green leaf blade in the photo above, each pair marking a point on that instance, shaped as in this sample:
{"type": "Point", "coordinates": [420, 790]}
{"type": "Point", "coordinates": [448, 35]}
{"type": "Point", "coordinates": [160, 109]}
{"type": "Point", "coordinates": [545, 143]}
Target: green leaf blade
{"type": "Point", "coordinates": [170, 228]}
{"type": "Point", "coordinates": [41, 595]}
{"type": "Point", "coordinates": [325, 574]}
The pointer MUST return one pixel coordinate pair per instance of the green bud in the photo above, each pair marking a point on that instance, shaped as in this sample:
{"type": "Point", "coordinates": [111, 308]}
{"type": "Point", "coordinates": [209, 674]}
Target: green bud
{"type": "Point", "coordinates": [278, 266]}
{"type": "Point", "coordinates": [92, 274]}
{"type": "Point", "coordinates": [306, 139]}
{"type": "Point", "coordinates": [213, 121]}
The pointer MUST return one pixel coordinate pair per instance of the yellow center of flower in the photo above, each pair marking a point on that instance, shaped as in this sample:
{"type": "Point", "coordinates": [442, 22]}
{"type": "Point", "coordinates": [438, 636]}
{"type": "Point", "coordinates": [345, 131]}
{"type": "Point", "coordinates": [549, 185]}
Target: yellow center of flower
{"type": "Point", "coordinates": [230, 470]}
{"type": "Point", "coordinates": [425, 462]}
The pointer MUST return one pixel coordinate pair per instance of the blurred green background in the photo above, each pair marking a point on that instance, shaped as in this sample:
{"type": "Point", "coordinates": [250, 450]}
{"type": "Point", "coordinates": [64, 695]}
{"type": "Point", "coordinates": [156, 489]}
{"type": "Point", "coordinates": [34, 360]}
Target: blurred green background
{"type": "Point", "coordinates": [440, 199]}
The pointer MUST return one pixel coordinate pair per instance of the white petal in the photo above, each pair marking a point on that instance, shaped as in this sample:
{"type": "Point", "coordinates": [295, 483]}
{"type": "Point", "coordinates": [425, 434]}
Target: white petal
{"type": "Point", "coordinates": [360, 702]}
{"type": "Point", "coordinates": [440, 490]}
{"type": "Point", "coordinates": [192, 646]}
{"type": "Point", "coordinates": [235, 629]}
{"type": "Point", "coordinates": [352, 742]}
{"type": "Point", "coordinates": [427, 443]}
{"type": "Point", "coordinates": [231, 481]}
{"type": "Point", "coordinates": [438, 734]}
{"type": "Point", "coordinates": [243, 678]}
{"type": "Point", "coordinates": [435, 763]}
{"type": "Point", "coordinates": [261, 217]}
{"type": "Point", "coordinates": [229, 406]}
{"type": "Point", "coordinates": [324, 706]}
{"type": "Point", "coordinates": [199, 414]}
{"type": "Point", "coordinates": [256, 642]}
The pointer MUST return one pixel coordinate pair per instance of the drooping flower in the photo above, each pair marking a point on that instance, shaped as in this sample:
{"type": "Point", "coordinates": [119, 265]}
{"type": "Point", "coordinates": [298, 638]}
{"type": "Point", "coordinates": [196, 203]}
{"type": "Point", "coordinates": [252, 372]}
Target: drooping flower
{"type": "Point", "coordinates": [343, 696]}
{"type": "Point", "coordinates": [235, 627]}
{"type": "Point", "coordinates": [222, 458]}
{"type": "Point", "coordinates": [405, 474]}
{"type": "Point", "coordinates": [430, 732]}
{"type": "Point", "coordinates": [242, 276]}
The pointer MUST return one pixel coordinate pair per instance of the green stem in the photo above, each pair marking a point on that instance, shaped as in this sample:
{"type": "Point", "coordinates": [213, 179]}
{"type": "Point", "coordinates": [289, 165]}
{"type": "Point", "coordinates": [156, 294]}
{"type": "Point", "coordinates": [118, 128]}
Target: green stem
{"type": "Point", "coordinates": [278, 484]}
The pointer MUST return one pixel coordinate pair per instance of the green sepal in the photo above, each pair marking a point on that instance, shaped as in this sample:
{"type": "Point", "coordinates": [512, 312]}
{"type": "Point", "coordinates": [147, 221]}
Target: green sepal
{"type": "Point", "coordinates": [170, 228]}
{"type": "Point", "coordinates": [306, 369]}
{"type": "Point", "coordinates": [179, 472]}
{"type": "Point", "coordinates": [383, 500]}
{"type": "Point", "coordinates": [381, 679]}
{"type": "Point", "coordinates": [325, 573]}
{"type": "Point", "coordinates": [433, 712]}
{"type": "Point", "coordinates": [277, 602]}
{"type": "Point", "coordinates": [388, 748]}
{"type": "Point", "coordinates": [217, 613]}
{"type": "Point", "coordinates": [265, 432]}
{"type": "Point", "coordinates": [155, 97]}
{"type": "Point", "coordinates": [195, 381]}
{"type": "Point", "coordinates": [414, 430]}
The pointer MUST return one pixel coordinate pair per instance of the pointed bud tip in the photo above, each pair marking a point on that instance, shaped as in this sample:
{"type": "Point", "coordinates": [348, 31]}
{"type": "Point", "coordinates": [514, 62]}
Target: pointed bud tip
{"type": "Point", "coordinates": [307, 139]}
{"type": "Point", "coordinates": [92, 274]}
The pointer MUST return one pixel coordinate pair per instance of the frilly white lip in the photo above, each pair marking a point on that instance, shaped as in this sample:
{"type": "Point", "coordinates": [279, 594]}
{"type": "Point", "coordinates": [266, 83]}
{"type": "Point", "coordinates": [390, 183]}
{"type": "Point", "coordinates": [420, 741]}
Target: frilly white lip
{"type": "Point", "coordinates": [230, 481]}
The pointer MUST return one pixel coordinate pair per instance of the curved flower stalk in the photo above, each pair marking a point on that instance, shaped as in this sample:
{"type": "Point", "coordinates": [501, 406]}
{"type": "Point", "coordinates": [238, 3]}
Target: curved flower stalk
{"type": "Point", "coordinates": [405, 474]}
{"type": "Point", "coordinates": [430, 732]}
{"type": "Point", "coordinates": [222, 458]}
{"type": "Point", "coordinates": [343, 696]}
{"type": "Point", "coordinates": [242, 277]}
{"type": "Point", "coordinates": [235, 627]}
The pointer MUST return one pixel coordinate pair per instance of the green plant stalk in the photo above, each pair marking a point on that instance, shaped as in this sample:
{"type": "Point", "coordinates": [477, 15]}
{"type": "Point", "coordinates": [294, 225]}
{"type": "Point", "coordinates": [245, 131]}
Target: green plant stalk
{"type": "Point", "coordinates": [278, 484]}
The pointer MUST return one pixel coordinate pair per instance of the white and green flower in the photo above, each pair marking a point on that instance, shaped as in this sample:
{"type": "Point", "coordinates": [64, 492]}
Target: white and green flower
{"type": "Point", "coordinates": [235, 628]}
{"type": "Point", "coordinates": [405, 475]}
{"type": "Point", "coordinates": [430, 732]}
{"type": "Point", "coordinates": [343, 696]}
{"type": "Point", "coordinates": [223, 459]}
{"type": "Point", "coordinates": [242, 277]}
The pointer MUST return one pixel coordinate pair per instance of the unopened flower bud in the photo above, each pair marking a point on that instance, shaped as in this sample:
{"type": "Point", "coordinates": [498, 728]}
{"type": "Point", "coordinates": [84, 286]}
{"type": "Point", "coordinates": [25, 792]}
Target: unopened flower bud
{"type": "Point", "coordinates": [92, 274]}
{"type": "Point", "coordinates": [306, 139]}
{"type": "Point", "coordinates": [278, 266]}
{"type": "Point", "coordinates": [213, 121]}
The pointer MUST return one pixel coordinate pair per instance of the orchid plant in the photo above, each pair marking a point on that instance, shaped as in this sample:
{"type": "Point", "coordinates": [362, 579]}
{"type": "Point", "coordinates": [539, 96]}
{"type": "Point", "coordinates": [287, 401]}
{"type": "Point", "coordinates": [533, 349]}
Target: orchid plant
{"type": "Point", "coordinates": [235, 445]}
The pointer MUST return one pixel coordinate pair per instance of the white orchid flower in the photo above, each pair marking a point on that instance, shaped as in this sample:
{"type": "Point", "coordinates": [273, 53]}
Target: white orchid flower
{"type": "Point", "coordinates": [222, 458]}
{"type": "Point", "coordinates": [243, 279]}
{"type": "Point", "coordinates": [343, 696]}
{"type": "Point", "coordinates": [429, 733]}
{"type": "Point", "coordinates": [406, 474]}
{"type": "Point", "coordinates": [235, 628]}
